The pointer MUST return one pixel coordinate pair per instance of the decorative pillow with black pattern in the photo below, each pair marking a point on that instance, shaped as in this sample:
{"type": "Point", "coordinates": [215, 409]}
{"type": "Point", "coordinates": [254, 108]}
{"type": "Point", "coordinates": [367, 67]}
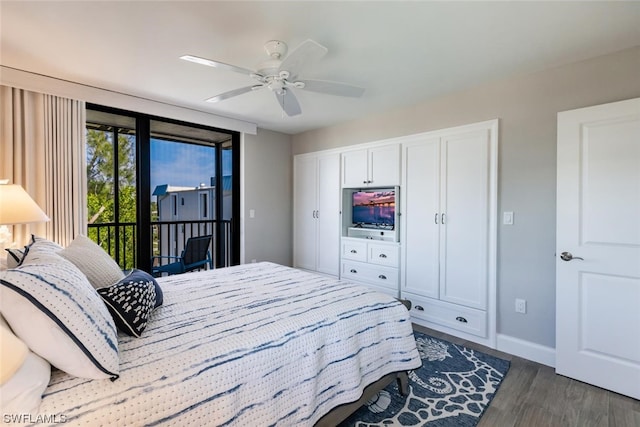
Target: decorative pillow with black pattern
{"type": "Point", "coordinates": [130, 302]}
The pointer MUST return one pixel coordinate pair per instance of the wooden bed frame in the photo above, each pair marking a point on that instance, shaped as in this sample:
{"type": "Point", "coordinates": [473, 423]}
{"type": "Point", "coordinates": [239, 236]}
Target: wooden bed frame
{"type": "Point", "coordinates": [342, 412]}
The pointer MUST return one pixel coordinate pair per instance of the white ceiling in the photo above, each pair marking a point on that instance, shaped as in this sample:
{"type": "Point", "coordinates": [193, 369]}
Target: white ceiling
{"type": "Point", "coordinates": [402, 52]}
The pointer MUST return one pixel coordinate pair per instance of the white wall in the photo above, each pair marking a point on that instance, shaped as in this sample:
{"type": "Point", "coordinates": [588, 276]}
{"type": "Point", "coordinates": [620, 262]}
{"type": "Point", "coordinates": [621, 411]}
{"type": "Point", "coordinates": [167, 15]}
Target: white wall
{"type": "Point", "coordinates": [267, 182]}
{"type": "Point", "coordinates": [527, 107]}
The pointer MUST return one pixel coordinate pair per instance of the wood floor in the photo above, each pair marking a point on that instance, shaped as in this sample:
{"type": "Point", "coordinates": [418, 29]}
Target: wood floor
{"type": "Point", "coordinates": [533, 395]}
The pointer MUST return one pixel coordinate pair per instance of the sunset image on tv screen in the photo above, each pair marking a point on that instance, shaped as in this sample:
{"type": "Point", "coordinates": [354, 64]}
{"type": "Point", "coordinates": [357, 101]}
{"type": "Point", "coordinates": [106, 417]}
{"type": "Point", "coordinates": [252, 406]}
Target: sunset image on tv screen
{"type": "Point", "coordinates": [374, 208]}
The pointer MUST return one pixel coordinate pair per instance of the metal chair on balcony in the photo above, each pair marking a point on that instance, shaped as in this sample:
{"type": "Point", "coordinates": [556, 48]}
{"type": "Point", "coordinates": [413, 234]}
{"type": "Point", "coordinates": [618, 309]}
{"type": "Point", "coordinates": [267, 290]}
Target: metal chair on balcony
{"type": "Point", "coordinates": [195, 256]}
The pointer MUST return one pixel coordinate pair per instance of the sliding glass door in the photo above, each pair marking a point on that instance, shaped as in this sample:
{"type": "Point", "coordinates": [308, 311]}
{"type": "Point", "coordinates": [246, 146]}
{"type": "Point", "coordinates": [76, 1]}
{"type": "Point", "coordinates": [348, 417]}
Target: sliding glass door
{"type": "Point", "coordinates": [161, 183]}
{"type": "Point", "coordinates": [191, 191]}
{"type": "Point", "coordinates": [112, 185]}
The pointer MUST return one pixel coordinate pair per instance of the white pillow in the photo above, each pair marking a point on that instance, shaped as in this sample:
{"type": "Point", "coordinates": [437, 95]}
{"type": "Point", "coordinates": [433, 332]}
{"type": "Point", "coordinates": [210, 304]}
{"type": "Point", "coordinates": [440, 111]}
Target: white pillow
{"type": "Point", "coordinates": [14, 257]}
{"type": "Point", "coordinates": [12, 353]}
{"type": "Point", "coordinates": [22, 393]}
{"type": "Point", "coordinates": [53, 308]}
{"type": "Point", "coordinates": [93, 261]}
{"type": "Point", "coordinates": [44, 245]}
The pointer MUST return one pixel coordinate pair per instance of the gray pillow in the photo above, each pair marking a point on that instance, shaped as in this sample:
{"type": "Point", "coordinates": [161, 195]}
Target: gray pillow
{"type": "Point", "coordinates": [93, 261]}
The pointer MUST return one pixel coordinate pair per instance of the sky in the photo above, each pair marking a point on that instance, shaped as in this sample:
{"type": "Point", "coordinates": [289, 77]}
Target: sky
{"type": "Point", "coordinates": [366, 197]}
{"type": "Point", "coordinates": [184, 165]}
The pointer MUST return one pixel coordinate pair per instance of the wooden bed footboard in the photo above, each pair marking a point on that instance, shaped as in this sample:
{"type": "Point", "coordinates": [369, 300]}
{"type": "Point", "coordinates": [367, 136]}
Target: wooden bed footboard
{"type": "Point", "coordinates": [342, 412]}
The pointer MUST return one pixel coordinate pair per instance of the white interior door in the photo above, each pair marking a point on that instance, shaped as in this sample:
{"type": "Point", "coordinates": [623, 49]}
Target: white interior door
{"type": "Point", "coordinates": [598, 223]}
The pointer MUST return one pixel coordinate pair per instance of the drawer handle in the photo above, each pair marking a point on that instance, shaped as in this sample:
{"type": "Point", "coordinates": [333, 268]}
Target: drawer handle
{"type": "Point", "coordinates": [353, 270]}
{"type": "Point", "coordinates": [419, 308]}
{"type": "Point", "coordinates": [353, 251]}
{"type": "Point", "coordinates": [382, 256]}
{"type": "Point", "coordinates": [461, 319]}
{"type": "Point", "coordinates": [382, 276]}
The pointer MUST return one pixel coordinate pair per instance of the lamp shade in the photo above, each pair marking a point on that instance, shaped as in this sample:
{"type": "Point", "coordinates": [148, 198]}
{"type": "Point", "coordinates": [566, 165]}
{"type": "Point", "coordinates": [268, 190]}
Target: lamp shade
{"type": "Point", "coordinates": [17, 207]}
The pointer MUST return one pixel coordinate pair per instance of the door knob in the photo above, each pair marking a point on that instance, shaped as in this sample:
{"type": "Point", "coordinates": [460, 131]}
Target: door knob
{"type": "Point", "coordinates": [566, 256]}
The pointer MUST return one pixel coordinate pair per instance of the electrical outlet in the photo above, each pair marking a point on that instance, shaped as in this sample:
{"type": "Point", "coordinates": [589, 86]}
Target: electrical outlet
{"type": "Point", "coordinates": [521, 306]}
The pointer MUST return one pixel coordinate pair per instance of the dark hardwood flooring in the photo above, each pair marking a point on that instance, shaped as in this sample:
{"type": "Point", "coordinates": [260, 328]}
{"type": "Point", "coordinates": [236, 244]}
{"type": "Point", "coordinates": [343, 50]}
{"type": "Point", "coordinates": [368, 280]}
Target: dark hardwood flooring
{"type": "Point", "coordinates": [533, 395]}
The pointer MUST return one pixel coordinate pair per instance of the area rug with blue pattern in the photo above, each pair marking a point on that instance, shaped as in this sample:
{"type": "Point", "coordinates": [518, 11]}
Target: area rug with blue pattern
{"type": "Point", "coordinates": [453, 387]}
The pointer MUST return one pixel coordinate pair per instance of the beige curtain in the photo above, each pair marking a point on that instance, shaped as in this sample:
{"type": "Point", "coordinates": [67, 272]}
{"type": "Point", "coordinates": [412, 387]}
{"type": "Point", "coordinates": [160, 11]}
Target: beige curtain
{"type": "Point", "coordinates": [42, 148]}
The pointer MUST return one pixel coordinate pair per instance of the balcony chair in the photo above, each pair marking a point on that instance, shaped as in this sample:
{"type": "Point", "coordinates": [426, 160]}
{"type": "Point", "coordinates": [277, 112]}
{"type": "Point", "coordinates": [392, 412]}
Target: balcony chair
{"type": "Point", "coordinates": [194, 257]}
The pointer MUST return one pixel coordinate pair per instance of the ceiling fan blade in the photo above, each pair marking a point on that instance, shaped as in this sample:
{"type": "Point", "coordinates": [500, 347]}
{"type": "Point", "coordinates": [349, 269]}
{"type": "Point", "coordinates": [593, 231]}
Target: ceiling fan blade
{"type": "Point", "coordinates": [216, 64]}
{"type": "Point", "coordinates": [230, 94]}
{"type": "Point", "coordinates": [333, 88]}
{"type": "Point", "coordinates": [307, 53]}
{"type": "Point", "coordinates": [288, 102]}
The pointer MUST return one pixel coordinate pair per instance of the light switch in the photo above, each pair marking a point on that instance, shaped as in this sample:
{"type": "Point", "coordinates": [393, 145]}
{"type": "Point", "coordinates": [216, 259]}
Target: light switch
{"type": "Point", "coordinates": [252, 213]}
{"type": "Point", "coordinates": [507, 218]}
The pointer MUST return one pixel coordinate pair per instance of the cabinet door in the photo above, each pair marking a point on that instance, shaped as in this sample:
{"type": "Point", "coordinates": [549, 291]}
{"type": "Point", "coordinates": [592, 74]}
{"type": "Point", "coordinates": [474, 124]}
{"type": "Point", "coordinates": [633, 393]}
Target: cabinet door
{"type": "Point", "coordinates": [354, 169]}
{"type": "Point", "coordinates": [304, 221]}
{"type": "Point", "coordinates": [384, 166]}
{"type": "Point", "coordinates": [464, 240]}
{"type": "Point", "coordinates": [328, 215]}
{"type": "Point", "coordinates": [421, 213]}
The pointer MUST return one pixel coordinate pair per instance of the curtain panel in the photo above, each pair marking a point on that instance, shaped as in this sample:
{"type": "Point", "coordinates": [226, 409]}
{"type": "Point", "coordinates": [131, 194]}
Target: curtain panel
{"type": "Point", "coordinates": [42, 148]}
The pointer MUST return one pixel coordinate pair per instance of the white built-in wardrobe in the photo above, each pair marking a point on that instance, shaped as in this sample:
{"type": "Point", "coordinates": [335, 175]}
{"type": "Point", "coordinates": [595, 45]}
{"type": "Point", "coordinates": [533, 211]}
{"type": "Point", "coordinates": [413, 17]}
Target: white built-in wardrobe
{"type": "Point", "coordinates": [447, 225]}
{"type": "Point", "coordinates": [316, 208]}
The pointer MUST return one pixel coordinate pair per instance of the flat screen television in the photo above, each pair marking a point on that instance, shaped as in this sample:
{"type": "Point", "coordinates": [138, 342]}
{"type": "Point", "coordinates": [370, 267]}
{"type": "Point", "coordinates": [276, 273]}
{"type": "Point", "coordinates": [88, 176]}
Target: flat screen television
{"type": "Point", "coordinates": [374, 208]}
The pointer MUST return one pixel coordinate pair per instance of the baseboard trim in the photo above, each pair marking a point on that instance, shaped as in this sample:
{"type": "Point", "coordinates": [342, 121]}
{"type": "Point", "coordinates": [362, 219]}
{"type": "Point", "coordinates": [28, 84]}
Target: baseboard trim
{"type": "Point", "coordinates": [527, 349]}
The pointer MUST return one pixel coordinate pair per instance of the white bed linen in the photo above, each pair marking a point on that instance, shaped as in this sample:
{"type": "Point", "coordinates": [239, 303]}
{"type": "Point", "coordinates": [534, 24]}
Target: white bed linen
{"type": "Point", "coordinates": [252, 345]}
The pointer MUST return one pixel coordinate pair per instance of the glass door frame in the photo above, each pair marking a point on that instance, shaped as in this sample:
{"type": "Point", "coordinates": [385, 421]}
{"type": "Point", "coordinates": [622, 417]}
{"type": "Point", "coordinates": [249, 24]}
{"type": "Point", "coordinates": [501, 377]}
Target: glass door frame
{"type": "Point", "coordinates": [225, 255]}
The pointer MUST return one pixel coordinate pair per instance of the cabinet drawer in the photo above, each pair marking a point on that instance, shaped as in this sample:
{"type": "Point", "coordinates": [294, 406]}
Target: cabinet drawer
{"type": "Point", "coordinates": [356, 251]}
{"type": "Point", "coordinates": [450, 315]}
{"type": "Point", "coordinates": [383, 255]}
{"type": "Point", "coordinates": [381, 276]}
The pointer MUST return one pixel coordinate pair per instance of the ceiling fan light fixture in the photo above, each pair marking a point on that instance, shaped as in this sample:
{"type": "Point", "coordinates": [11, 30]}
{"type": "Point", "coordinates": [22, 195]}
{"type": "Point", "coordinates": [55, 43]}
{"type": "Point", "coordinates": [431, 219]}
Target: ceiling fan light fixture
{"type": "Point", "coordinates": [278, 86]}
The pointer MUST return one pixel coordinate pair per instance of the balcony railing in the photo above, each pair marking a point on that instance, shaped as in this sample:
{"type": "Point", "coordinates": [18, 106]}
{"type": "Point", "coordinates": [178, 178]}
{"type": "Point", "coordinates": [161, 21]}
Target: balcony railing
{"type": "Point", "coordinates": [168, 238]}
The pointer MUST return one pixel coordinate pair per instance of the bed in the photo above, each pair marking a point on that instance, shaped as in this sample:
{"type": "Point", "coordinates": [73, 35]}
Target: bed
{"type": "Point", "coordinates": [257, 344]}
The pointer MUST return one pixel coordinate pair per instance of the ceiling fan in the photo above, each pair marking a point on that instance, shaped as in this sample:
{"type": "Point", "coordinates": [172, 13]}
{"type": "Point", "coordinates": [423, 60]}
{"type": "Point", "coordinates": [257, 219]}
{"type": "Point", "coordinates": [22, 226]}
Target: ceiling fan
{"type": "Point", "coordinates": [280, 75]}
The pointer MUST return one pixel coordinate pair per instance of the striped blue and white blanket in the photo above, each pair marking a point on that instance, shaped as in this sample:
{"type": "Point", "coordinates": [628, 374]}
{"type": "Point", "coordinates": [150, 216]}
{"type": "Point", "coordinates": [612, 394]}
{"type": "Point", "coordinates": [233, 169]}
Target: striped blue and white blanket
{"type": "Point", "coordinates": [252, 345]}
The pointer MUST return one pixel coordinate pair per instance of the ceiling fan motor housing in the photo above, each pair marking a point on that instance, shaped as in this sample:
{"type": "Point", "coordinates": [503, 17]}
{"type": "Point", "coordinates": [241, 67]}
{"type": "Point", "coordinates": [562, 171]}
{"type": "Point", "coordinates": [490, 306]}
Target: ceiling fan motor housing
{"type": "Point", "coordinates": [276, 51]}
{"type": "Point", "coordinates": [275, 48]}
